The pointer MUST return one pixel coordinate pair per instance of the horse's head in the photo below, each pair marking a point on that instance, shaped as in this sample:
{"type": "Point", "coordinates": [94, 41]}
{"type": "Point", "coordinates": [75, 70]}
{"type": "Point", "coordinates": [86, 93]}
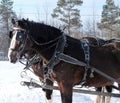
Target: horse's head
{"type": "Point", "coordinates": [32, 35]}
{"type": "Point", "coordinates": [19, 40]}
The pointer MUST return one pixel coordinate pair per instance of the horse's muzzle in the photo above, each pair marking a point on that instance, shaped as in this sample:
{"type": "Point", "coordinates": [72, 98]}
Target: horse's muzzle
{"type": "Point", "coordinates": [13, 60]}
{"type": "Point", "coordinates": [12, 56]}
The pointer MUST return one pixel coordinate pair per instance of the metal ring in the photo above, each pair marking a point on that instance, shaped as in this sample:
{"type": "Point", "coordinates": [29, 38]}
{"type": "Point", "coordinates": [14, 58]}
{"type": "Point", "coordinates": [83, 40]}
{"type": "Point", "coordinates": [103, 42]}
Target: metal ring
{"type": "Point", "coordinates": [23, 74]}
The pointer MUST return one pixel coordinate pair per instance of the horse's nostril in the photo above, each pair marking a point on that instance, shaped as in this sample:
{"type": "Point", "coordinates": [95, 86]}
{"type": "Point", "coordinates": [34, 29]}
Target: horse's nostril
{"type": "Point", "coordinates": [13, 60]}
{"type": "Point", "coordinates": [12, 57]}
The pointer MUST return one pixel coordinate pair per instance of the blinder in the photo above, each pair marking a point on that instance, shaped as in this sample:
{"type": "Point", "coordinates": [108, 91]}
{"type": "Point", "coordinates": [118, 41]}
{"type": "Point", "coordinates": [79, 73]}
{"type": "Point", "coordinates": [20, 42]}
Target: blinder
{"type": "Point", "coordinates": [21, 36]}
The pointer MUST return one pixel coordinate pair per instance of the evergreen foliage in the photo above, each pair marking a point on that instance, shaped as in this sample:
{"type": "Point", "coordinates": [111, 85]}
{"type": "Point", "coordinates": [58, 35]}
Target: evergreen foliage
{"type": "Point", "coordinates": [6, 14]}
{"type": "Point", "coordinates": [110, 18]}
{"type": "Point", "coordinates": [67, 11]}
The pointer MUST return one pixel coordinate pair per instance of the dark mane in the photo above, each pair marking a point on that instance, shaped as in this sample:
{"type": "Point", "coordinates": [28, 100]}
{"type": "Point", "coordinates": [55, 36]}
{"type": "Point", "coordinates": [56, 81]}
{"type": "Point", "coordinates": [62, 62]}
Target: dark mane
{"type": "Point", "coordinates": [40, 30]}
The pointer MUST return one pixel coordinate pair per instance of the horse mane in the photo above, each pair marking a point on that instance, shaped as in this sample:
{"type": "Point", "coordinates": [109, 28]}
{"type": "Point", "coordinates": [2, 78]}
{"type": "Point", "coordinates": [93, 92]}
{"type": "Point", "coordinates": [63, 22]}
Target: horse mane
{"type": "Point", "coordinates": [40, 31]}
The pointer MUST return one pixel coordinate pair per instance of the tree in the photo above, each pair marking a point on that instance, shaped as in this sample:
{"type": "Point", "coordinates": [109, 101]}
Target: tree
{"type": "Point", "coordinates": [6, 14]}
{"type": "Point", "coordinates": [90, 28]}
{"type": "Point", "coordinates": [67, 11]}
{"type": "Point", "coordinates": [110, 18]}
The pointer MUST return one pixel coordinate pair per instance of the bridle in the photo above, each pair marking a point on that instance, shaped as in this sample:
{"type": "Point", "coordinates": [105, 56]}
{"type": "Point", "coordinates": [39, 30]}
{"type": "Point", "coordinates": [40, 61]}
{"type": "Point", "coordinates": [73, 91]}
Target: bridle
{"type": "Point", "coordinates": [26, 35]}
{"type": "Point", "coordinates": [22, 37]}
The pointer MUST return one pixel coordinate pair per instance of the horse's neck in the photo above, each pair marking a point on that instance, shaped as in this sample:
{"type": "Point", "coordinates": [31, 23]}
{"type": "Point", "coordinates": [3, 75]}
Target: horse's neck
{"type": "Point", "coordinates": [71, 45]}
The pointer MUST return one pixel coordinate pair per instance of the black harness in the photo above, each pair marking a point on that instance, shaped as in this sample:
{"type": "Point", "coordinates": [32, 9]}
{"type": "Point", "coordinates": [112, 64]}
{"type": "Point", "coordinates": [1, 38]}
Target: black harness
{"type": "Point", "coordinates": [59, 55]}
{"type": "Point", "coordinates": [55, 58]}
{"type": "Point", "coordinates": [86, 49]}
{"type": "Point", "coordinates": [22, 37]}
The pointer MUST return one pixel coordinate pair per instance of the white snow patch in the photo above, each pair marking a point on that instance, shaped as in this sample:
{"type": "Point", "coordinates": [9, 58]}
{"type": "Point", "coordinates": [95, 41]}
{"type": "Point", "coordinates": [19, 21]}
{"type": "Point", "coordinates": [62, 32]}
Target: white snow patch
{"type": "Point", "coordinates": [12, 92]}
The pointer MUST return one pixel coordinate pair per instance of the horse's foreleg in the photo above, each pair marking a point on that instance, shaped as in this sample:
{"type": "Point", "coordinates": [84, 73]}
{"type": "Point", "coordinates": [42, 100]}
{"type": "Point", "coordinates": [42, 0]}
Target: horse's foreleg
{"type": "Point", "coordinates": [47, 95]}
{"type": "Point", "coordinates": [66, 92]}
{"type": "Point", "coordinates": [66, 96]}
{"type": "Point", "coordinates": [47, 92]}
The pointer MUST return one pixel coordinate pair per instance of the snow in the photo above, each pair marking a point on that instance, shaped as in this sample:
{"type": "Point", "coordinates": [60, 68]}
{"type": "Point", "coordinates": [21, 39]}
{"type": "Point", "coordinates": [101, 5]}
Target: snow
{"type": "Point", "coordinates": [11, 90]}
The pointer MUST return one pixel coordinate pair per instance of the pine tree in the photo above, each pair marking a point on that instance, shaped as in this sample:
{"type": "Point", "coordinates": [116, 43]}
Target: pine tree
{"type": "Point", "coordinates": [6, 14]}
{"type": "Point", "coordinates": [110, 17]}
{"type": "Point", "coordinates": [68, 12]}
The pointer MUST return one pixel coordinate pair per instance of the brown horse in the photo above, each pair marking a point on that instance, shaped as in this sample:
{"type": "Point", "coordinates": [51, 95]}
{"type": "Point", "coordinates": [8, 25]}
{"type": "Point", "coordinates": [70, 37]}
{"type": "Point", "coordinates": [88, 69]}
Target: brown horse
{"type": "Point", "coordinates": [51, 44]}
{"type": "Point", "coordinates": [38, 66]}
{"type": "Point", "coordinates": [99, 42]}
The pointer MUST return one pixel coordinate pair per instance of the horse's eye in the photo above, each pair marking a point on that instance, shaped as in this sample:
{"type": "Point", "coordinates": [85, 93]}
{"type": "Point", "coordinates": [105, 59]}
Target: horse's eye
{"type": "Point", "coordinates": [10, 34]}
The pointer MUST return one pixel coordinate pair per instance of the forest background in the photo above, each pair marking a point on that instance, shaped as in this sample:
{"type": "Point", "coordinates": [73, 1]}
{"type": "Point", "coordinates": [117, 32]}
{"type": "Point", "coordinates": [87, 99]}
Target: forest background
{"type": "Point", "coordinates": [66, 15]}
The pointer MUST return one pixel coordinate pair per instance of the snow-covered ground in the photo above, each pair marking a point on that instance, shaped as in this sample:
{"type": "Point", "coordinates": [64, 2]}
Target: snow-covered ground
{"type": "Point", "coordinates": [12, 92]}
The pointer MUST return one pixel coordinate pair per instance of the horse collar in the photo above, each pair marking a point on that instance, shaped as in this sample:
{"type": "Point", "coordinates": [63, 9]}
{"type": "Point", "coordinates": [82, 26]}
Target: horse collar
{"type": "Point", "coordinates": [86, 49]}
{"type": "Point", "coordinates": [55, 58]}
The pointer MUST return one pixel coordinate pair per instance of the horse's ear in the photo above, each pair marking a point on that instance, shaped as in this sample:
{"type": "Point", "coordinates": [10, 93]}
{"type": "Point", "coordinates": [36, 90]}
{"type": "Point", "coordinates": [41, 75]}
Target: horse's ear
{"type": "Point", "coordinates": [13, 21]}
{"type": "Point", "coordinates": [27, 19]}
{"type": "Point", "coordinates": [23, 19]}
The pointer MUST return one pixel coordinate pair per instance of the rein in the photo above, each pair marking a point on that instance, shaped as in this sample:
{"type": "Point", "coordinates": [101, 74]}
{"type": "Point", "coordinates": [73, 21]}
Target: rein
{"type": "Point", "coordinates": [46, 43]}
